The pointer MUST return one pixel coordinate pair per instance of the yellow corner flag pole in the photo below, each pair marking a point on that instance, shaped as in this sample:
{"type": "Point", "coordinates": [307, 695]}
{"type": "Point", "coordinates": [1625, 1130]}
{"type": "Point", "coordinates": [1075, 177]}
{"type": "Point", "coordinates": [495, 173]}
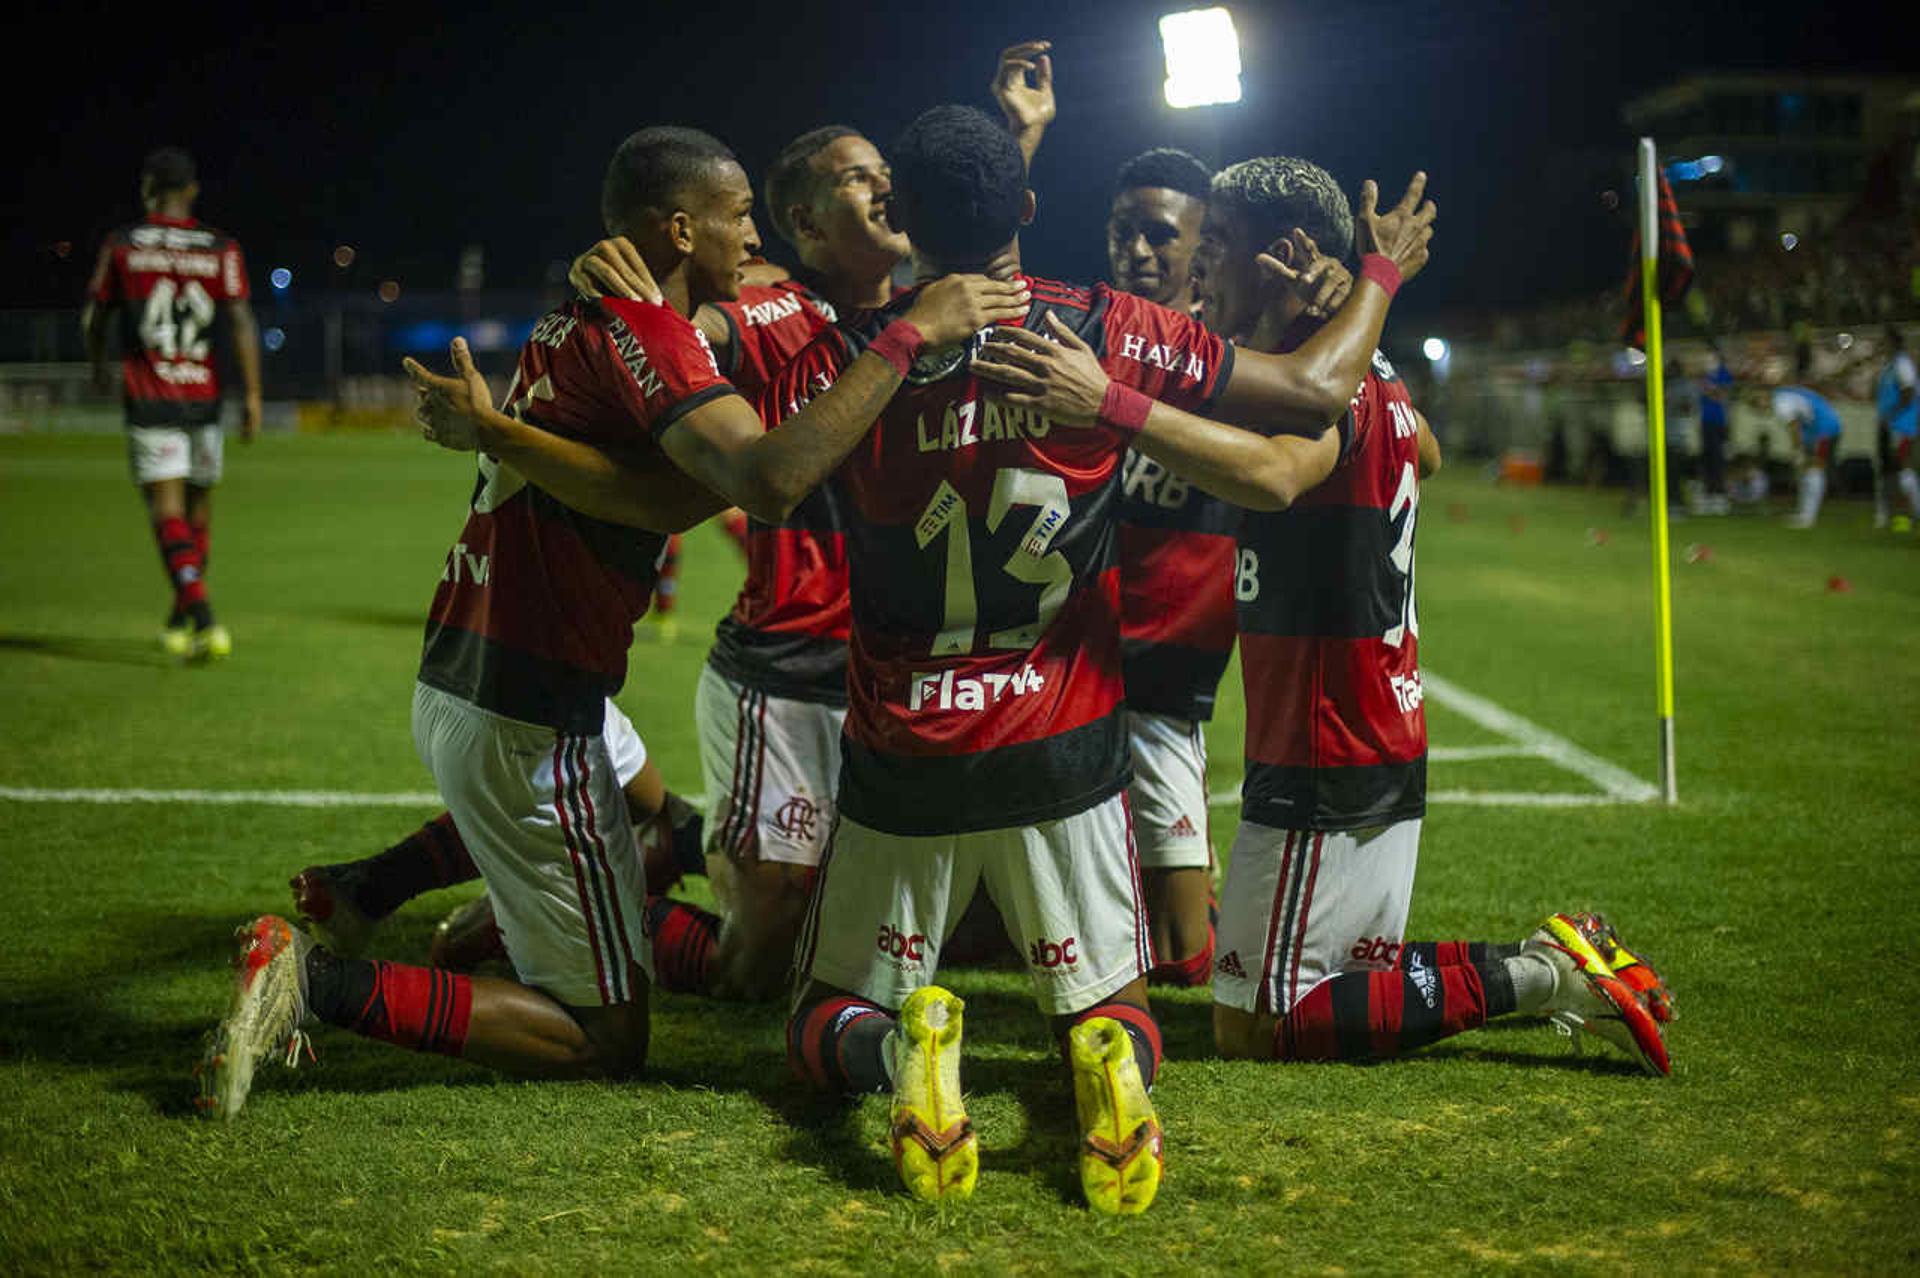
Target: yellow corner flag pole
{"type": "Point", "coordinates": [1657, 460]}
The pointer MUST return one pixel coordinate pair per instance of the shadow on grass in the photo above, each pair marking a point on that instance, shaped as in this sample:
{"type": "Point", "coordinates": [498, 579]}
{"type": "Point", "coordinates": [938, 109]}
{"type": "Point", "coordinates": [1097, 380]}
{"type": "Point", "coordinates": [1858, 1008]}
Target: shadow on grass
{"type": "Point", "coordinates": [382, 618]}
{"type": "Point", "coordinates": [119, 652]}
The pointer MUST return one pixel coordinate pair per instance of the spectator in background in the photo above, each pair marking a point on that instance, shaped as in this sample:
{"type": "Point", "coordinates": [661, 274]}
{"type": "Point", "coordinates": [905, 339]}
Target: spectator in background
{"type": "Point", "coordinates": [1898, 417]}
{"type": "Point", "coordinates": [1716, 390]}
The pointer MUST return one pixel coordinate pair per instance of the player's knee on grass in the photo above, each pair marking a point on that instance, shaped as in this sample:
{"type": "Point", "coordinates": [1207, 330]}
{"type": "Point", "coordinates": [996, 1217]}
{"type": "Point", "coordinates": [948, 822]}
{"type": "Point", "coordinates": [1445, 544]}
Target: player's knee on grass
{"type": "Point", "coordinates": [1243, 1036]}
{"type": "Point", "coordinates": [755, 953]}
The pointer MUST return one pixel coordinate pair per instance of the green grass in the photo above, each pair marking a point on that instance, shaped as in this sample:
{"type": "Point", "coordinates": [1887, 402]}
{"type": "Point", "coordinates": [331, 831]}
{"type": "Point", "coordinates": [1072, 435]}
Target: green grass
{"type": "Point", "coordinates": [1776, 898]}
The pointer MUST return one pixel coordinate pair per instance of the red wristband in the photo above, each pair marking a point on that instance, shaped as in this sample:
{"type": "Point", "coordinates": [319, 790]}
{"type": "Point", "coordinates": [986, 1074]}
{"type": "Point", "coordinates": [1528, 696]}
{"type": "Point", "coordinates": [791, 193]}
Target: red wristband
{"type": "Point", "coordinates": [1124, 408]}
{"type": "Point", "coordinates": [1382, 270]}
{"type": "Point", "coordinates": [898, 344]}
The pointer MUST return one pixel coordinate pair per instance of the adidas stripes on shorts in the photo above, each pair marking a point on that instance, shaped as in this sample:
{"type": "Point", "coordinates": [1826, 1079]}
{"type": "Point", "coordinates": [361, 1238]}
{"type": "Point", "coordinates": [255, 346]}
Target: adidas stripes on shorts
{"type": "Point", "coordinates": [545, 819]}
{"type": "Point", "coordinates": [1300, 906]}
{"type": "Point", "coordinates": [771, 767]}
{"type": "Point", "coordinates": [1169, 791]}
{"type": "Point", "coordinates": [1068, 889]}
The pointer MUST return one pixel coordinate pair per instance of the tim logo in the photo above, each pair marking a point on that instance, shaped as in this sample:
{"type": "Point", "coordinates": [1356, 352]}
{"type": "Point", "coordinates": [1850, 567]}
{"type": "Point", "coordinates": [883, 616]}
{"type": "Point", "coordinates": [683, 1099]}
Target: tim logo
{"type": "Point", "coordinates": [796, 818]}
{"type": "Point", "coordinates": [1048, 954]}
{"type": "Point", "coordinates": [908, 946]}
{"type": "Point", "coordinates": [1376, 949]}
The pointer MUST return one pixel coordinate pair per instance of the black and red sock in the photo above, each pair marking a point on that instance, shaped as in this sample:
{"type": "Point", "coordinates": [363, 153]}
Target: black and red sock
{"type": "Point", "coordinates": [839, 1045]}
{"type": "Point", "coordinates": [185, 569]}
{"type": "Point", "coordinates": [684, 937]}
{"type": "Point", "coordinates": [1359, 1016]}
{"type": "Point", "coordinates": [1188, 973]}
{"type": "Point", "coordinates": [1447, 953]}
{"type": "Point", "coordinates": [1140, 1026]}
{"type": "Point", "coordinates": [434, 856]}
{"type": "Point", "coordinates": [422, 1009]}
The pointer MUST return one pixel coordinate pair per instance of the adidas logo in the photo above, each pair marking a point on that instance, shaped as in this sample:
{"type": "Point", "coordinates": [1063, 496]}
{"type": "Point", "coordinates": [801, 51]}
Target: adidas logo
{"type": "Point", "coordinates": [1424, 979]}
{"type": "Point", "coordinates": [1229, 965]}
{"type": "Point", "coordinates": [1182, 829]}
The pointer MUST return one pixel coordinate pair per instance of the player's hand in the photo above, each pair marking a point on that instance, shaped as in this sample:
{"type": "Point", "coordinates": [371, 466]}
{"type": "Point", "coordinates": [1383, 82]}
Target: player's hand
{"type": "Point", "coordinates": [613, 268]}
{"type": "Point", "coordinates": [250, 420]}
{"type": "Point", "coordinates": [1403, 231]}
{"type": "Point", "coordinates": [1029, 108]}
{"type": "Point", "coordinates": [1324, 282]}
{"type": "Point", "coordinates": [1058, 374]}
{"type": "Point", "coordinates": [1295, 270]}
{"type": "Point", "coordinates": [954, 308]}
{"type": "Point", "coordinates": [451, 408]}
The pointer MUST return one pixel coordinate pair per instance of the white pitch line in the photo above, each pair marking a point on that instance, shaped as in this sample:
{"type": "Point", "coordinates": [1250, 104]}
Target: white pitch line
{"type": "Point", "coordinates": [1458, 754]}
{"type": "Point", "coordinates": [1622, 785]}
{"type": "Point", "coordinates": [1475, 798]}
{"type": "Point", "coordinates": [270, 798]}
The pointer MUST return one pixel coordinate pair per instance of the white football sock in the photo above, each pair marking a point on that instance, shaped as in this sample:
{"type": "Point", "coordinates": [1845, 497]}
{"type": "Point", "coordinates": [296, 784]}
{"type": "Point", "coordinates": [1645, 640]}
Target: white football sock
{"type": "Point", "coordinates": [1534, 980]}
{"type": "Point", "coordinates": [1813, 487]}
{"type": "Point", "coordinates": [1910, 489]}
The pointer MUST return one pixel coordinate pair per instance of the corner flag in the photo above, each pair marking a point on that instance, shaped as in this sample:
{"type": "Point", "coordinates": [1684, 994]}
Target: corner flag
{"type": "Point", "coordinates": [1675, 267]}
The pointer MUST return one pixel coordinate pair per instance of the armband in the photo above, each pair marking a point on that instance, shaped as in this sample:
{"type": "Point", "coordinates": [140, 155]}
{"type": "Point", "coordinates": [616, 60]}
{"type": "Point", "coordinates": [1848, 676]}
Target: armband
{"type": "Point", "coordinates": [898, 344]}
{"type": "Point", "coordinates": [1382, 270]}
{"type": "Point", "coordinates": [1124, 408]}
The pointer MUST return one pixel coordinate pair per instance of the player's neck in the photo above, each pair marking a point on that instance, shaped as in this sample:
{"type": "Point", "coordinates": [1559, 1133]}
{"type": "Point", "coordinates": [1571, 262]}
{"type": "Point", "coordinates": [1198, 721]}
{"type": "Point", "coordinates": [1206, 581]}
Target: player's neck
{"type": "Point", "coordinates": [677, 291]}
{"type": "Point", "coordinates": [174, 210]}
{"type": "Point", "coordinates": [1005, 260]}
{"type": "Point", "coordinates": [848, 291]}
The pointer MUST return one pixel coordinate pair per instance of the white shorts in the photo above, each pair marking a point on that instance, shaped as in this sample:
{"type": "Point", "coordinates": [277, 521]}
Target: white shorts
{"type": "Point", "coordinates": [1169, 792]}
{"type": "Point", "coordinates": [771, 766]}
{"type": "Point", "coordinates": [192, 453]}
{"type": "Point", "coordinates": [1069, 891]}
{"type": "Point", "coordinates": [1302, 905]}
{"type": "Point", "coordinates": [544, 816]}
{"type": "Point", "coordinates": [628, 751]}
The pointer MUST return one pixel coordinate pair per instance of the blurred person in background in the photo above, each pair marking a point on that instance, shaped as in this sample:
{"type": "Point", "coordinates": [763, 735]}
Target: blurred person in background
{"type": "Point", "coordinates": [167, 279]}
{"type": "Point", "coordinates": [1897, 415]}
{"type": "Point", "coordinates": [1715, 392]}
{"type": "Point", "coordinates": [1818, 425]}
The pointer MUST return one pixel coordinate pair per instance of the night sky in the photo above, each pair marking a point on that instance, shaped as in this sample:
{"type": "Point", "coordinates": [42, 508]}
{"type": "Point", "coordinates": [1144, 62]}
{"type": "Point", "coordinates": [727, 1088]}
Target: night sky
{"type": "Point", "coordinates": [416, 130]}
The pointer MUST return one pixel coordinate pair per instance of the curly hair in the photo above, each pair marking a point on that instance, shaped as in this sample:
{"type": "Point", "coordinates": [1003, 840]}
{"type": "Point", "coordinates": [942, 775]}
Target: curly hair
{"type": "Point", "coordinates": [959, 177]}
{"type": "Point", "coordinates": [1275, 193]}
{"type": "Point", "coordinates": [1168, 167]}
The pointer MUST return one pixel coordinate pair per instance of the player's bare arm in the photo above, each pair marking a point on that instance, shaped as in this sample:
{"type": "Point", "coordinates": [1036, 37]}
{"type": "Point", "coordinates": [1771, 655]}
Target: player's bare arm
{"type": "Point", "coordinates": [1305, 390]}
{"type": "Point", "coordinates": [93, 331]}
{"type": "Point", "coordinates": [1062, 377]}
{"type": "Point", "coordinates": [768, 472]}
{"type": "Point", "coordinates": [246, 353]}
{"type": "Point", "coordinates": [1028, 105]}
{"type": "Point", "coordinates": [1429, 447]}
{"type": "Point", "coordinates": [457, 412]}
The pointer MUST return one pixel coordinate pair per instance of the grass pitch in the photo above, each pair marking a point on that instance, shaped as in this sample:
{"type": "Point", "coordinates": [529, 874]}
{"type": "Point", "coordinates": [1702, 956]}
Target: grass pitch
{"type": "Point", "coordinates": [1775, 898]}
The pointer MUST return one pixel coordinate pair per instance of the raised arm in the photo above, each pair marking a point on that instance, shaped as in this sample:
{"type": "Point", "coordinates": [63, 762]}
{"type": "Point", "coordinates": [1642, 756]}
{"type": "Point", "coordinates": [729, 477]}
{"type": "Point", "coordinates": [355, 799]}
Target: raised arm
{"type": "Point", "coordinates": [1304, 390]}
{"type": "Point", "coordinates": [1029, 108]}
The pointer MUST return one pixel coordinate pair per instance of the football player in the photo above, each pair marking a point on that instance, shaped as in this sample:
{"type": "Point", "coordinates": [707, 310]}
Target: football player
{"type": "Point", "coordinates": [528, 631]}
{"type": "Point", "coordinates": [1312, 964]}
{"type": "Point", "coordinates": [167, 279]}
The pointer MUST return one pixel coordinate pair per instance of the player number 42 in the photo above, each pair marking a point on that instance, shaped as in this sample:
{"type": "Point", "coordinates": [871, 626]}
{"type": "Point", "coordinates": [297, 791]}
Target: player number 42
{"type": "Point", "coordinates": [176, 319]}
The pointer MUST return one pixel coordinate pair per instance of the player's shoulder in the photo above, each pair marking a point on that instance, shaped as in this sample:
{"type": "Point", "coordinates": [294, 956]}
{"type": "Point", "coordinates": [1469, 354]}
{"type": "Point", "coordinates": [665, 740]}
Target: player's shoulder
{"type": "Point", "coordinates": [649, 323]}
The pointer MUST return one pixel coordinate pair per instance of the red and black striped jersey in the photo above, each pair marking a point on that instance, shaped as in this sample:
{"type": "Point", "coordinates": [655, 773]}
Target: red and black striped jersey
{"type": "Point", "coordinates": [167, 277]}
{"type": "Point", "coordinates": [1176, 590]}
{"type": "Point", "coordinates": [767, 325]}
{"type": "Point", "coordinates": [537, 602]}
{"type": "Point", "coordinates": [787, 633]}
{"type": "Point", "coordinates": [1329, 638]}
{"type": "Point", "coordinates": [984, 672]}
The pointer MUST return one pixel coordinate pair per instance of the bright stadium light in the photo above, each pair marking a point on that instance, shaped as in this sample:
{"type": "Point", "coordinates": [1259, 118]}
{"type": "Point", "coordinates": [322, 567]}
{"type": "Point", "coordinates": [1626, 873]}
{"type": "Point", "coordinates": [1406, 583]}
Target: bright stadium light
{"type": "Point", "coordinates": [1434, 348]}
{"type": "Point", "coordinates": [281, 277]}
{"type": "Point", "coordinates": [1203, 57]}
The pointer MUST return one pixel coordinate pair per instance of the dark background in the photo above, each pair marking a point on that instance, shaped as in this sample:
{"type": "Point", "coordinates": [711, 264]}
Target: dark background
{"type": "Point", "coordinates": [410, 132]}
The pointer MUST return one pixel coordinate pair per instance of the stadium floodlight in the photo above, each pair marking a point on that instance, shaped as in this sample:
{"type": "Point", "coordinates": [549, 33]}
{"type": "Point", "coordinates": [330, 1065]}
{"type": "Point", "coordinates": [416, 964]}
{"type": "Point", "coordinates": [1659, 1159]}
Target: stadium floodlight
{"type": "Point", "coordinates": [1203, 57]}
{"type": "Point", "coordinates": [1434, 348]}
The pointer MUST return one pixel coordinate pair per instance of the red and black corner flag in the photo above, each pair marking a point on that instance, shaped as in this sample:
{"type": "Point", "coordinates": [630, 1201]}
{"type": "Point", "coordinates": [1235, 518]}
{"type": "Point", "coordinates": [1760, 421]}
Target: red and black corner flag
{"type": "Point", "coordinates": [1674, 267]}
